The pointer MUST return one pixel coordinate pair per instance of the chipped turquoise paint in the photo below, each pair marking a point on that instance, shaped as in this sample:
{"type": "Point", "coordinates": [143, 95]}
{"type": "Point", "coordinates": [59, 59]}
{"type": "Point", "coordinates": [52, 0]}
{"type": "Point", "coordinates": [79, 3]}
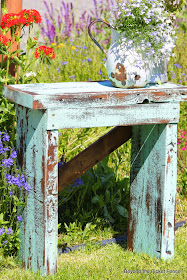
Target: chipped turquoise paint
{"type": "Point", "coordinates": [86, 94]}
{"type": "Point", "coordinates": [122, 115]}
{"type": "Point", "coordinates": [153, 112]}
{"type": "Point", "coordinates": [38, 229]}
{"type": "Point", "coordinates": [153, 188]}
{"type": "Point", "coordinates": [169, 192]}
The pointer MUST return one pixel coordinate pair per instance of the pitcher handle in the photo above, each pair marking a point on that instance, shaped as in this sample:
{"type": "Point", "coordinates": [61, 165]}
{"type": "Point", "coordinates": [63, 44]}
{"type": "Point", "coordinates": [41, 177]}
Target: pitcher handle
{"type": "Point", "coordinates": [89, 31]}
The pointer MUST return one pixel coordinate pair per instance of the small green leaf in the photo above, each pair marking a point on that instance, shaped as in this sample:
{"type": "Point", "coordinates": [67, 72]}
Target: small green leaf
{"type": "Point", "coordinates": [122, 211]}
{"type": "Point", "coordinates": [107, 196]}
{"type": "Point", "coordinates": [95, 187]}
{"type": "Point", "coordinates": [95, 199]}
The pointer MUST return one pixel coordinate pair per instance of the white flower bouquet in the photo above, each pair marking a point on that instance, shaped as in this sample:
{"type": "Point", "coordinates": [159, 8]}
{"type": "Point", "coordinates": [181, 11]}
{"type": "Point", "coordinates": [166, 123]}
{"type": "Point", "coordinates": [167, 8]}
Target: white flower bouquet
{"type": "Point", "coordinates": [147, 25]}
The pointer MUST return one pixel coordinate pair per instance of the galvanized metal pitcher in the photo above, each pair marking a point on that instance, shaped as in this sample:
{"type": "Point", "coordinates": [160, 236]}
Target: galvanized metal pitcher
{"type": "Point", "coordinates": [126, 67]}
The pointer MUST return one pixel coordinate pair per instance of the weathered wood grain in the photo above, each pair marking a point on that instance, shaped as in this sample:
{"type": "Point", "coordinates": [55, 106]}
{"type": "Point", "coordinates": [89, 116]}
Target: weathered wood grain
{"type": "Point", "coordinates": [106, 144]}
{"type": "Point", "coordinates": [153, 113]}
{"type": "Point", "coordinates": [38, 157]}
{"type": "Point", "coordinates": [86, 94]}
{"type": "Point", "coordinates": [113, 116]}
{"type": "Point", "coordinates": [152, 190]}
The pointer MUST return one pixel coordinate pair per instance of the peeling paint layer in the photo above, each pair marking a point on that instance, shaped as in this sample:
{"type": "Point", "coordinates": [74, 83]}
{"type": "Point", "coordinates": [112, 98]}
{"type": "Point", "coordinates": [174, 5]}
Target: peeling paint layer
{"type": "Point", "coordinates": [85, 94]}
{"type": "Point", "coordinates": [152, 190]}
{"type": "Point", "coordinates": [38, 156]}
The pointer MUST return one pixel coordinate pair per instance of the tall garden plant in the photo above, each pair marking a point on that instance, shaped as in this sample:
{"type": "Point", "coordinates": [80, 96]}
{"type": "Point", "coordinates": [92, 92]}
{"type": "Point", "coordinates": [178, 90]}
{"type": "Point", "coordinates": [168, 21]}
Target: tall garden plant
{"type": "Point", "coordinates": [14, 187]}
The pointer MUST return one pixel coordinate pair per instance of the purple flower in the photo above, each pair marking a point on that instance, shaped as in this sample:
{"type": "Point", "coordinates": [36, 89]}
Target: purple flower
{"type": "Point", "coordinates": [27, 187]}
{"type": "Point", "coordinates": [89, 59]}
{"type": "Point", "coordinates": [177, 65]}
{"type": "Point", "coordinates": [5, 242]}
{"type": "Point", "coordinates": [9, 231]}
{"type": "Point", "coordinates": [19, 218]}
{"type": "Point", "coordinates": [10, 193]}
{"type": "Point", "coordinates": [65, 62]}
{"type": "Point", "coordinates": [2, 230]}
{"type": "Point", "coordinates": [100, 72]}
{"type": "Point", "coordinates": [17, 181]}
{"type": "Point", "coordinates": [84, 47]}
{"type": "Point", "coordinates": [60, 164]}
{"type": "Point", "coordinates": [2, 150]}
{"type": "Point", "coordinates": [13, 180]}
{"type": "Point", "coordinates": [9, 178]}
{"type": "Point", "coordinates": [7, 162]}
{"type": "Point", "coordinates": [78, 182]}
{"type": "Point", "coordinates": [90, 174]}
{"type": "Point", "coordinates": [13, 154]}
{"type": "Point", "coordinates": [6, 137]}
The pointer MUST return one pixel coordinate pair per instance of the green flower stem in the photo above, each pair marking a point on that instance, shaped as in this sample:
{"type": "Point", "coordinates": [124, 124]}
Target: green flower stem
{"type": "Point", "coordinates": [8, 61]}
{"type": "Point", "coordinates": [2, 61]}
{"type": "Point", "coordinates": [16, 72]}
{"type": "Point", "coordinates": [26, 57]}
{"type": "Point", "coordinates": [49, 74]}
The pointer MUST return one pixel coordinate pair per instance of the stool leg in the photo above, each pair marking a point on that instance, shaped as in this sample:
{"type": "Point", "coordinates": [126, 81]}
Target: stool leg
{"type": "Point", "coordinates": [153, 190]}
{"type": "Point", "coordinates": [38, 157]}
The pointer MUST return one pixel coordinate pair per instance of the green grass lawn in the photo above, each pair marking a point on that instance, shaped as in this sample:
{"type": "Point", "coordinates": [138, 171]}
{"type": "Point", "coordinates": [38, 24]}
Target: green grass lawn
{"type": "Point", "coordinates": [109, 262]}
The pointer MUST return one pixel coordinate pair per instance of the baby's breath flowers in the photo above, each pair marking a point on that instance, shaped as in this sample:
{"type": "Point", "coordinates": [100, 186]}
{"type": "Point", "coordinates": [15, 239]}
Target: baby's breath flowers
{"type": "Point", "coordinates": [147, 24]}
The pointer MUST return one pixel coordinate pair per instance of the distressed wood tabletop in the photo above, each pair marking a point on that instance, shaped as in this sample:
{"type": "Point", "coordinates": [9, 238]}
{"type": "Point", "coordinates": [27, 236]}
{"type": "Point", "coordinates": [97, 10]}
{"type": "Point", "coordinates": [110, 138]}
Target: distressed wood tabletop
{"type": "Point", "coordinates": [148, 116]}
{"type": "Point", "coordinates": [86, 94]}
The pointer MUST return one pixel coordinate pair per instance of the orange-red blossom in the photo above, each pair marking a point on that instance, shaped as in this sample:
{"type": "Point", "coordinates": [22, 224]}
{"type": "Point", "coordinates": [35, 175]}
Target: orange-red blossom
{"type": "Point", "coordinates": [4, 40]}
{"type": "Point", "coordinates": [25, 17]}
{"type": "Point", "coordinates": [43, 50]}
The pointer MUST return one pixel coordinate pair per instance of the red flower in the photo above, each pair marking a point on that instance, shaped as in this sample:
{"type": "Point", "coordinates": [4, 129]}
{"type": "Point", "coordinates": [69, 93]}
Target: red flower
{"type": "Point", "coordinates": [25, 17]}
{"type": "Point", "coordinates": [10, 20]}
{"type": "Point", "coordinates": [30, 16]}
{"type": "Point", "coordinates": [4, 40]}
{"type": "Point", "coordinates": [43, 50]}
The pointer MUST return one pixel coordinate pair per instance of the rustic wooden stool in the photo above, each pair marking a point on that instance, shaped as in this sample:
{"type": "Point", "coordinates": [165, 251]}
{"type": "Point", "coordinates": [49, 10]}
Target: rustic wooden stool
{"type": "Point", "coordinates": [149, 116]}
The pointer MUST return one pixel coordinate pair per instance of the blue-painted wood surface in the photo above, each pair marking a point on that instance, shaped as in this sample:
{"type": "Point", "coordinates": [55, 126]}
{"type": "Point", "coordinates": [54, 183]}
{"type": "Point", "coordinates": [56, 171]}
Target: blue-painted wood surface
{"type": "Point", "coordinates": [153, 189]}
{"type": "Point", "coordinates": [90, 94]}
{"type": "Point", "coordinates": [153, 112]}
{"type": "Point", "coordinates": [38, 157]}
